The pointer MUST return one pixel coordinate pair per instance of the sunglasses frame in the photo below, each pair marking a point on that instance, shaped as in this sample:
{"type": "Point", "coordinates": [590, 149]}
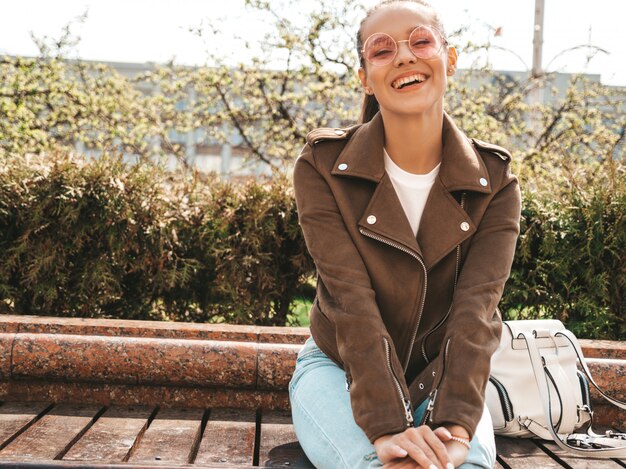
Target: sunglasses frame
{"type": "Point", "coordinates": [444, 42]}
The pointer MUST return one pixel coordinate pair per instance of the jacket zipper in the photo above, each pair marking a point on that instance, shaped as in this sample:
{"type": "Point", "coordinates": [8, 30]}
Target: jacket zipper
{"type": "Point", "coordinates": [456, 277]}
{"type": "Point", "coordinates": [505, 401]}
{"type": "Point", "coordinates": [408, 413]}
{"type": "Point", "coordinates": [421, 306]}
{"type": "Point", "coordinates": [433, 394]}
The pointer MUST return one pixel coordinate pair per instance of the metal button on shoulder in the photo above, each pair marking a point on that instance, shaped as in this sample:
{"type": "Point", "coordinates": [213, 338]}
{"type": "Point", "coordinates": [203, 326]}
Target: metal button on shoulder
{"type": "Point", "coordinates": [483, 182]}
{"type": "Point", "coordinates": [340, 132]}
{"type": "Point", "coordinates": [371, 219]}
{"type": "Point", "coordinates": [465, 226]}
{"type": "Point", "coordinates": [342, 167]}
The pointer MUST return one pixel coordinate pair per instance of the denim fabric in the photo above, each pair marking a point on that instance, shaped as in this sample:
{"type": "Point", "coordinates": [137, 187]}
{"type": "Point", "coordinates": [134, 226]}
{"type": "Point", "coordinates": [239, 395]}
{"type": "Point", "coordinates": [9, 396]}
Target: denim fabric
{"type": "Point", "coordinates": [325, 426]}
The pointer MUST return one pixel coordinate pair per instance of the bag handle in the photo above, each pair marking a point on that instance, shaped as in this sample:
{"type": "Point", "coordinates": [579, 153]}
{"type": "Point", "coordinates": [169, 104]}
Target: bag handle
{"type": "Point", "coordinates": [542, 385]}
{"type": "Point", "coordinates": [581, 359]}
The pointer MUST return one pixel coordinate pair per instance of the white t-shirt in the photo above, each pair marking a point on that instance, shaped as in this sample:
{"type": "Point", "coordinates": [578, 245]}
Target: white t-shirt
{"type": "Point", "coordinates": [412, 189]}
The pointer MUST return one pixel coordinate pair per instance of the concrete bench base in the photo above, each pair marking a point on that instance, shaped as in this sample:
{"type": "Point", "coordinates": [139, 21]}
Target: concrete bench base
{"type": "Point", "coordinates": [120, 362]}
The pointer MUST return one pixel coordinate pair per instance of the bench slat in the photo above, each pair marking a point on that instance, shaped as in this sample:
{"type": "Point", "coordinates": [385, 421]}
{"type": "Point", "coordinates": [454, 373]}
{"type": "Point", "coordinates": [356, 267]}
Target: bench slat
{"type": "Point", "coordinates": [51, 435]}
{"type": "Point", "coordinates": [14, 416]}
{"type": "Point", "coordinates": [112, 436]}
{"type": "Point", "coordinates": [519, 453]}
{"type": "Point", "coordinates": [170, 438]}
{"type": "Point", "coordinates": [579, 462]}
{"type": "Point", "coordinates": [228, 438]}
{"type": "Point", "coordinates": [279, 445]}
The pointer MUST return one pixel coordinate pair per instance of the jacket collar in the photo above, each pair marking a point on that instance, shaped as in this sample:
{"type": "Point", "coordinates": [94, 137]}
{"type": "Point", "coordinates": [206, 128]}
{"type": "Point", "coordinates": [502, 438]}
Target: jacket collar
{"type": "Point", "coordinates": [444, 224]}
{"type": "Point", "coordinates": [461, 167]}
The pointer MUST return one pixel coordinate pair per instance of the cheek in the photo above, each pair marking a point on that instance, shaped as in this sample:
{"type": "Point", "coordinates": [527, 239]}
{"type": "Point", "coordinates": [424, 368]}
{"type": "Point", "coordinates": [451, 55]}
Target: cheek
{"type": "Point", "coordinates": [376, 78]}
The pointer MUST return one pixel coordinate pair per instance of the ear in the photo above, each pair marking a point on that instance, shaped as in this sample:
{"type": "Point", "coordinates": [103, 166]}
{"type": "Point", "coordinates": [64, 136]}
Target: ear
{"type": "Point", "coordinates": [362, 77]}
{"type": "Point", "coordinates": [452, 58]}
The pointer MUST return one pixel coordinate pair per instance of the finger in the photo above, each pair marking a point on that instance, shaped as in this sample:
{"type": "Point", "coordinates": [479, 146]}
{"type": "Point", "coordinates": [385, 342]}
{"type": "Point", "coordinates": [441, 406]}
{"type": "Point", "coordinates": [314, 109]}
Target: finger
{"type": "Point", "coordinates": [437, 446]}
{"type": "Point", "coordinates": [405, 463]}
{"type": "Point", "coordinates": [417, 453]}
{"type": "Point", "coordinates": [426, 440]}
{"type": "Point", "coordinates": [442, 433]}
{"type": "Point", "coordinates": [391, 451]}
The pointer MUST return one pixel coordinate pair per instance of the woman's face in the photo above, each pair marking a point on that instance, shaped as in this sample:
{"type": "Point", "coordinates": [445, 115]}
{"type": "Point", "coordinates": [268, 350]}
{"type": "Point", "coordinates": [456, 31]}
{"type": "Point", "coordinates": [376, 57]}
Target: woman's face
{"type": "Point", "coordinates": [398, 20]}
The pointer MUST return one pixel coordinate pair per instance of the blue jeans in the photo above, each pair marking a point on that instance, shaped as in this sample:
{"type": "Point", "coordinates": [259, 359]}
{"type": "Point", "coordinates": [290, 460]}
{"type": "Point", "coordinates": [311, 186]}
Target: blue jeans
{"type": "Point", "coordinates": [325, 426]}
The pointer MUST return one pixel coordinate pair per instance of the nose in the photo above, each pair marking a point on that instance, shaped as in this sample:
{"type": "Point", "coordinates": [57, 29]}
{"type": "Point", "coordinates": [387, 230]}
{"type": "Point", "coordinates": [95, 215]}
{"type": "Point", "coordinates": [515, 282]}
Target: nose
{"type": "Point", "coordinates": [404, 54]}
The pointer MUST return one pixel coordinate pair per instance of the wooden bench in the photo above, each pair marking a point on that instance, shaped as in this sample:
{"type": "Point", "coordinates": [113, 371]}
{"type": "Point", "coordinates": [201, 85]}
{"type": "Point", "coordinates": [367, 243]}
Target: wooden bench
{"type": "Point", "coordinates": [110, 393]}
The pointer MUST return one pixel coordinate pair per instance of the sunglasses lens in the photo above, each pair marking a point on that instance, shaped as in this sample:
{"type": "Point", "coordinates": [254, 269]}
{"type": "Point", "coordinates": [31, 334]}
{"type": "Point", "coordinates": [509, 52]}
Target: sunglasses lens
{"type": "Point", "coordinates": [379, 49]}
{"type": "Point", "coordinates": [425, 42]}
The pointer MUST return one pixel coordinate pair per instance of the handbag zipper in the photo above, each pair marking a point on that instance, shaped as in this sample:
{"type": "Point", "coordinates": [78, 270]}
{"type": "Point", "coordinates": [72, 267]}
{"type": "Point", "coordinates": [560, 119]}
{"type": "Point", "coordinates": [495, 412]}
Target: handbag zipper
{"type": "Point", "coordinates": [456, 277]}
{"type": "Point", "coordinates": [408, 413]}
{"type": "Point", "coordinates": [505, 401]}
{"type": "Point", "coordinates": [584, 388]}
{"type": "Point", "coordinates": [423, 300]}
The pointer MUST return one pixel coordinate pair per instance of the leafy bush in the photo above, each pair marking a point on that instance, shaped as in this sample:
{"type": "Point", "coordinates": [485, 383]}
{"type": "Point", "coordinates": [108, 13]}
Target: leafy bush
{"type": "Point", "coordinates": [570, 261]}
{"type": "Point", "coordinates": [105, 239]}
{"type": "Point", "coordinates": [101, 238]}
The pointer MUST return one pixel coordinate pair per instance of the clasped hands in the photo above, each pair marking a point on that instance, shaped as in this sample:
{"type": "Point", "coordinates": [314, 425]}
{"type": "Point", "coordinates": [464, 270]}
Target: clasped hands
{"type": "Point", "coordinates": [421, 447]}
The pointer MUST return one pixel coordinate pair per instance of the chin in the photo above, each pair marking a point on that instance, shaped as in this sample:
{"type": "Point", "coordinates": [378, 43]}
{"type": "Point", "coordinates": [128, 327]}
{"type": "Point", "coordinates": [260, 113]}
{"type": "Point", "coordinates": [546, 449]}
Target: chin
{"type": "Point", "coordinates": [414, 107]}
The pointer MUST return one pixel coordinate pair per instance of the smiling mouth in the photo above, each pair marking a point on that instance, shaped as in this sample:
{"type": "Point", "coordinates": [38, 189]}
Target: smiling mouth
{"type": "Point", "coordinates": [408, 81]}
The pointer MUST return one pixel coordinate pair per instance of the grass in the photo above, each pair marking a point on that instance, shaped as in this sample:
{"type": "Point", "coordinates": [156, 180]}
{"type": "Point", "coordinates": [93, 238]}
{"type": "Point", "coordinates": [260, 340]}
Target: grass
{"type": "Point", "coordinates": [300, 312]}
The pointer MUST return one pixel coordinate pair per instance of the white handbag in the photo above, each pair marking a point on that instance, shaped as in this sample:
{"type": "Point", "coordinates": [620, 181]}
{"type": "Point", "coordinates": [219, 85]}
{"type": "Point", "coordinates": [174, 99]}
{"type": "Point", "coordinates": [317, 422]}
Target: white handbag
{"type": "Point", "coordinates": [536, 390]}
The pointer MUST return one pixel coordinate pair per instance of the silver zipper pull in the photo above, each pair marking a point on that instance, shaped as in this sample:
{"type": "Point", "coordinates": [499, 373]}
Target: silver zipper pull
{"type": "Point", "coordinates": [408, 412]}
{"type": "Point", "coordinates": [431, 405]}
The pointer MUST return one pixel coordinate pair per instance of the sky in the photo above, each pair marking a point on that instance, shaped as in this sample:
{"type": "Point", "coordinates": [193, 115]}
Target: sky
{"type": "Point", "coordinates": [158, 30]}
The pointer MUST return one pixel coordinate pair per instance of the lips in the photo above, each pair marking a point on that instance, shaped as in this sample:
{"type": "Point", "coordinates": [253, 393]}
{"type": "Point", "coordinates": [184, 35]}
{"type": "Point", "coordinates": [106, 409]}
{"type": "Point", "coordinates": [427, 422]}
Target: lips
{"type": "Point", "coordinates": [402, 82]}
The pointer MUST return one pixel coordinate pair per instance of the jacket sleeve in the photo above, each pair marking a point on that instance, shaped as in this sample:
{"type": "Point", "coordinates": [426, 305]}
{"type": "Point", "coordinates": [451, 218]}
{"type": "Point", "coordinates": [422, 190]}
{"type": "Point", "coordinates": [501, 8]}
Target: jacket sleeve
{"type": "Point", "coordinates": [365, 346]}
{"type": "Point", "coordinates": [474, 326]}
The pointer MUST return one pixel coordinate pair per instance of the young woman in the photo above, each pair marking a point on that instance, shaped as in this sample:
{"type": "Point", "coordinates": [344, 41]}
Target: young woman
{"type": "Point", "coordinates": [412, 227]}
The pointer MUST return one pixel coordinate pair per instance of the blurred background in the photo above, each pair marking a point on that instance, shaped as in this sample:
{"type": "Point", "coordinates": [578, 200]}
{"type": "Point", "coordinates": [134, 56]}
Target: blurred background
{"type": "Point", "coordinates": [146, 150]}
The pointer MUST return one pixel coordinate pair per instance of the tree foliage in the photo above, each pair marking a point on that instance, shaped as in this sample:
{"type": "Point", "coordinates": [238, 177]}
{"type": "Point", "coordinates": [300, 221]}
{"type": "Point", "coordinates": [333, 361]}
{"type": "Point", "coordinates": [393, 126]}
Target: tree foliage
{"type": "Point", "coordinates": [103, 238]}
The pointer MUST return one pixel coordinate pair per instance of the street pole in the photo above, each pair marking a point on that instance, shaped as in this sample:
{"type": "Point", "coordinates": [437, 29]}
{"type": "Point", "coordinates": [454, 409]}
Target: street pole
{"type": "Point", "coordinates": [538, 38]}
{"type": "Point", "coordinates": [536, 95]}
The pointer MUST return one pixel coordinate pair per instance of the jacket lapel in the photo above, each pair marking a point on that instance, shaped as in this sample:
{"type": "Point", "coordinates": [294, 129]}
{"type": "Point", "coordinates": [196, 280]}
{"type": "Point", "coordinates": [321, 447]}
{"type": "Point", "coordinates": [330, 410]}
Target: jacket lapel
{"type": "Point", "coordinates": [385, 216]}
{"type": "Point", "coordinates": [444, 223]}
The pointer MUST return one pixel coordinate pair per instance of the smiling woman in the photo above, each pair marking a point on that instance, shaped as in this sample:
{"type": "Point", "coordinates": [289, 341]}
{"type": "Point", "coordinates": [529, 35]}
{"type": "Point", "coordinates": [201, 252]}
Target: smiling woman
{"type": "Point", "coordinates": [412, 227]}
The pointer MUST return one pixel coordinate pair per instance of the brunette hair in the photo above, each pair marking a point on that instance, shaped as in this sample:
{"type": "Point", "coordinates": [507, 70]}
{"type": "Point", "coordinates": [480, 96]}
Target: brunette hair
{"type": "Point", "coordinates": [370, 106]}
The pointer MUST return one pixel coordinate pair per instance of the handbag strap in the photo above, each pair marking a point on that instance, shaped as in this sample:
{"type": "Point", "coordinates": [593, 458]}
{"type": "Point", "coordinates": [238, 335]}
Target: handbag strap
{"type": "Point", "coordinates": [565, 393]}
{"type": "Point", "coordinates": [539, 371]}
{"type": "Point", "coordinates": [581, 359]}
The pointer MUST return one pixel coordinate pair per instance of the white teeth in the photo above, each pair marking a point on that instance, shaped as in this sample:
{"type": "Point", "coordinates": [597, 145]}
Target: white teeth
{"type": "Point", "coordinates": [418, 77]}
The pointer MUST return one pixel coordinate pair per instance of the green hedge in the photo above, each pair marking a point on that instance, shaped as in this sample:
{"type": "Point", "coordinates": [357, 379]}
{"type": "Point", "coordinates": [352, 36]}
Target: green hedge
{"type": "Point", "coordinates": [570, 261]}
{"type": "Point", "coordinates": [106, 239]}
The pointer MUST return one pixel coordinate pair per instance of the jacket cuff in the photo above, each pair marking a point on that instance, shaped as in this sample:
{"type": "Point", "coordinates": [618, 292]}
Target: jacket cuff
{"type": "Point", "coordinates": [375, 432]}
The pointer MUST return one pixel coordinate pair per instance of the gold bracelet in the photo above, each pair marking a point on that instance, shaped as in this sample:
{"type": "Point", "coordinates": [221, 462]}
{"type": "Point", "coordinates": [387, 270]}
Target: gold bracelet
{"type": "Point", "coordinates": [463, 441]}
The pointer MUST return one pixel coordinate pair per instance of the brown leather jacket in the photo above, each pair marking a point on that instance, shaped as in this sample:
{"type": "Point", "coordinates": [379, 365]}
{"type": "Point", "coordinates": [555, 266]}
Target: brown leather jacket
{"type": "Point", "coordinates": [407, 318]}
